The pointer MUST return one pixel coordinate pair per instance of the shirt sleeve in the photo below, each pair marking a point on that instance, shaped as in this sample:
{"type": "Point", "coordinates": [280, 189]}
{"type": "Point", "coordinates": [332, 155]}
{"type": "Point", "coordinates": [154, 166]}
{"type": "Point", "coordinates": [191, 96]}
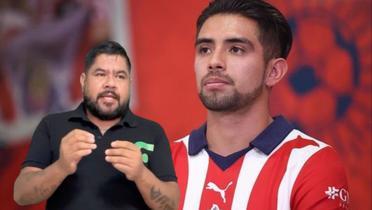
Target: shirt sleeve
{"type": "Point", "coordinates": [39, 154]}
{"type": "Point", "coordinates": [161, 163]}
{"type": "Point", "coordinates": [321, 184]}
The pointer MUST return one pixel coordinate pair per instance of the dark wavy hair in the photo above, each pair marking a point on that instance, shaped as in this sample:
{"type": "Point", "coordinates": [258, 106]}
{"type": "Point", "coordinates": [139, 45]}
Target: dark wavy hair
{"type": "Point", "coordinates": [275, 34]}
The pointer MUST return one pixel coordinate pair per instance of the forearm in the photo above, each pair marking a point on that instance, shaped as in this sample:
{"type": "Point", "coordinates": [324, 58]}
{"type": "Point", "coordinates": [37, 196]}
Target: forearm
{"type": "Point", "coordinates": [156, 193]}
{"type": "Point", "coordinates": [33, 185]}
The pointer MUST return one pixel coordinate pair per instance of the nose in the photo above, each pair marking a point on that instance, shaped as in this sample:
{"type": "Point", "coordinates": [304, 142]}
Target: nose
{"type": "Point", "coordinates": [110, 81]}
{"type": "Point", "coordinates": [217, 61]}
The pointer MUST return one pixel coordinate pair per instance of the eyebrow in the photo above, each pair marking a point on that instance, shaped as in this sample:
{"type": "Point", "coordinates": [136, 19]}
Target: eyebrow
{"type": "Point", "coordinates": [116, 72]}
{"type": "Point", "coordinates": [98, 69]}
{"type": "Point", "coordinates": [203, 40]}
{"type": "Point", "coordinates": [122, 72]}
{"type": "Point", "coordinates": [229, 40]}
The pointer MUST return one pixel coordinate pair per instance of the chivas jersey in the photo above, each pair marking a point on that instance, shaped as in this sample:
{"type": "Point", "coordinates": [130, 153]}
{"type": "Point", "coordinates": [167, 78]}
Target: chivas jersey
{"type": "Point", "coordinates": [282, 169]}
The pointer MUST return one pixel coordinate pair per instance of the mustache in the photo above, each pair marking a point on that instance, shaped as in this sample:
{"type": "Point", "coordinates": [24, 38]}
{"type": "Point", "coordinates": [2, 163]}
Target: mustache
{"type": "Point", "coordinates": [108, 93]}
{"type": "Point", "coordinates": [217, 74]}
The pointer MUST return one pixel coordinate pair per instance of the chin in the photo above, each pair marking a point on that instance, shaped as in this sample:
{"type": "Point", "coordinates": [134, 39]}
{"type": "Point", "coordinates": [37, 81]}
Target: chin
{"type": "Point", "coordinates": [110, 106]}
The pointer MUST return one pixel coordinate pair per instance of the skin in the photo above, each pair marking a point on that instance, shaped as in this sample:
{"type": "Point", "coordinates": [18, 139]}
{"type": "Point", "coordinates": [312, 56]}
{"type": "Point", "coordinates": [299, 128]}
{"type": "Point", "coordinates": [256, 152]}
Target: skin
{"type": "Point", "coordinates": [107, 82]}
{"type": "Point", "coordinates": [229, 60]}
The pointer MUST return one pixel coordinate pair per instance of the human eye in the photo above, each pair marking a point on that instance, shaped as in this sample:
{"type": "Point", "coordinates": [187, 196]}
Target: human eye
{"type": "Point", "coordinates": [99, 74]}
{"type": "Point", "coordinates": [121, 75]}
{"type": "Point", "coordinates": [202, 50]}
{"type": "Point", "coordinates": [237, 50]}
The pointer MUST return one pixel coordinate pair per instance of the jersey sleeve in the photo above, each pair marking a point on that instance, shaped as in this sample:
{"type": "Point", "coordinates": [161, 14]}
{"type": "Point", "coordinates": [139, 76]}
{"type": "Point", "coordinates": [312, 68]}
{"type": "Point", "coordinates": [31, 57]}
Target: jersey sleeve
{"type": "Point", "coordinates": [39, 154]}
{"type": "Point", "coordinates": [161, 163]}
{"type": "Point", "coordinates": [321, 184]}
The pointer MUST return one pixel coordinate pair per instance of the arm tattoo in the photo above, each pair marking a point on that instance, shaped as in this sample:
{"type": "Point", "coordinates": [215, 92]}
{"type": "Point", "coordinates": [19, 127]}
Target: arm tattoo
{"type": "Point", "coordinates": [165, 202]}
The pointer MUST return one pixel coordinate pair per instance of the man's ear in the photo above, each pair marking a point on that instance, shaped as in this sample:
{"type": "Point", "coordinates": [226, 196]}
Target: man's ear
{"type": "Point", "coordinates": [82, 80]}
{"type": "Point", "coordinates": [275, 71]}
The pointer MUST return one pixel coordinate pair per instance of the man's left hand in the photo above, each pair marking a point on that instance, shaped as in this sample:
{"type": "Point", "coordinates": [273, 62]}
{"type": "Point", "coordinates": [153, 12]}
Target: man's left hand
{"type": "Point", "coordinates": [126, 157]}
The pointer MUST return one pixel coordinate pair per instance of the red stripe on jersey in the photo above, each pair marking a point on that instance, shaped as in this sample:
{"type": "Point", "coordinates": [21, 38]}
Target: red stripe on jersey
{"type": "Point", "coordinates": [321, 172]}
{"type": "Point", "coordinates": [265, 190]}
{"type": "Point", "coordinates": [301, 174]}
{"type": "Point", "coordinates": [219, 186]}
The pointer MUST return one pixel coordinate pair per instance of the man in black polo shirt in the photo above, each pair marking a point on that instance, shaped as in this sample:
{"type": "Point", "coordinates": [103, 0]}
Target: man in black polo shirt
{"type": "Point", "coordinates": [101, 155]}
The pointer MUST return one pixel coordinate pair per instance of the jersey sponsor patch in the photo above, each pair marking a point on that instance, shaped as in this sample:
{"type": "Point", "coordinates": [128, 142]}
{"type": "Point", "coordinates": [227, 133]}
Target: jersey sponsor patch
{"type": "Point", "coordinates": [340, 194]}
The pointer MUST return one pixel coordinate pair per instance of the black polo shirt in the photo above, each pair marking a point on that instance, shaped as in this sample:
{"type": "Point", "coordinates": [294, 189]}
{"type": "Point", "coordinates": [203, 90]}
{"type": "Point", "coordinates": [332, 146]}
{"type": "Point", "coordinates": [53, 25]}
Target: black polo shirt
{"type": "Point", "coordinates": [97, 184]}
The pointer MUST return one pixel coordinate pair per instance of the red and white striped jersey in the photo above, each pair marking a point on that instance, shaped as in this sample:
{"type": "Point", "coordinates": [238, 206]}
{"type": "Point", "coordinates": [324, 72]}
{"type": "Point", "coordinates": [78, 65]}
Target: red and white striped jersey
{"type": "Point", "coordinates": [294, 171]}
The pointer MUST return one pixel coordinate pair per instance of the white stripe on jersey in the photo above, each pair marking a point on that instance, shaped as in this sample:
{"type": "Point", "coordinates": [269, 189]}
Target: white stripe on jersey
{"type": "Point", "coordinates": [252, 164]}
{"type": "Point", "coordinates": [251, 168]}
{"type": "Point", "coordinates": [297, 159]}
{"type": "Point", "coordinates": [197, 172]}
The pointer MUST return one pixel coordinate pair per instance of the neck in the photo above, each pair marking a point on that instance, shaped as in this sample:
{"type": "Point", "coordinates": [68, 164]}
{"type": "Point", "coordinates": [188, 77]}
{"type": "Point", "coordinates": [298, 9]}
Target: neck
{"type": "Point", "coordinates": [229, 132]}
{"type": "Point", "coordinates": [103, 125]}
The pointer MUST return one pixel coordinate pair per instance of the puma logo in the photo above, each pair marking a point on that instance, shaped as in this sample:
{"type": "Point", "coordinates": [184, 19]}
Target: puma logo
{"type": "Point", "coordinates": [214, 187]}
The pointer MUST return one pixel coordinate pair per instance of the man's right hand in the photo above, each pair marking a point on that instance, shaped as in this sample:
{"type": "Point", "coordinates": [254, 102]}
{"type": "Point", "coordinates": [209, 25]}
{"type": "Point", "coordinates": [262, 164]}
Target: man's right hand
{"type": "Point", "coordinates": [75, 145]}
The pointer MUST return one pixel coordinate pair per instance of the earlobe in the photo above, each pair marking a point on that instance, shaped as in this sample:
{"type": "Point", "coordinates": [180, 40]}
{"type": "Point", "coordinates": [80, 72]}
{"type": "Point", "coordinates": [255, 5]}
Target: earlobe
{"type": "Point", "coordinates": [82, 80]}
{"type": "Point", "coordinates": [277, 69]}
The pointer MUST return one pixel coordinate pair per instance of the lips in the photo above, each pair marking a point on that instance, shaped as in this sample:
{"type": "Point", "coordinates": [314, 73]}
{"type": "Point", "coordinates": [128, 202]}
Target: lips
{"type": "Point", "coordinates": [110, 95]}
{"type": "Point", "coordinates": [215, 80]}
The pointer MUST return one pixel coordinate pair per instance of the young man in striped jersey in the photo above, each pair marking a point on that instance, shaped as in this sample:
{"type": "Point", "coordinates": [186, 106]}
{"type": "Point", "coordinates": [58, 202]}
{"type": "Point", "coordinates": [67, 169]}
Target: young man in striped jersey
{"type": "Point", "coordinates": [242, 157]}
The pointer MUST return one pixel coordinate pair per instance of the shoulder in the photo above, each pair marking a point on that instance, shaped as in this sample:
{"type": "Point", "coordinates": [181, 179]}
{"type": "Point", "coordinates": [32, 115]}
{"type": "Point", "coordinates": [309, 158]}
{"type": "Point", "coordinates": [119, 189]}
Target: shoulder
{"type": "Point", "coordinates": [307, 153]}
{"type": "Point", "coordinates": [299, 144]}
{"type": "Point", "coordinates": [320, 169]}
{"type": "Point", "coordinates": [147, 128]}
{"type": "Point", "coordinates": [145, 122]}
{"type": "Point", "coordinates": [179, 147]}
{"type": "Point", "coordinates": [320, 157]}
{"type": "Point", "coordinates": [56, 118]}
{"type": "Point", "coordinates": [180, 143]}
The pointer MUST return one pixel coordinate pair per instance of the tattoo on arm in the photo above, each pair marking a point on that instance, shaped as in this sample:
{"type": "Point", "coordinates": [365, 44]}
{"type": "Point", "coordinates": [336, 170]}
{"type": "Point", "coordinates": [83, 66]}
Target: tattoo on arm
{"type": "Point", "coordinates": [164, 201]}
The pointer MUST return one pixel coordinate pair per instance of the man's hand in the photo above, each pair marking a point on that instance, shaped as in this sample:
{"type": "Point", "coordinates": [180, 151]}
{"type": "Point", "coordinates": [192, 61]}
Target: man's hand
{"type": "Point", "coordinates": [126, 157]}
{"type": "Point", "coordinates": [75, 145]}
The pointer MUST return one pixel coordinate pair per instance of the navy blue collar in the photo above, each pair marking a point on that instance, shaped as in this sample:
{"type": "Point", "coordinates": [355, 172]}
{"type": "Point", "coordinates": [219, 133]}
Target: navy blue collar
{"type": "Point", "coordinates": [266, 141]}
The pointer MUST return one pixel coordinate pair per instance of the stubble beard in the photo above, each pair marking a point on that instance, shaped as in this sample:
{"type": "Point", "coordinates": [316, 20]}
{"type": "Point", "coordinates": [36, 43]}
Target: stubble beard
{"type": "Point", "coordinates": [233, 102]}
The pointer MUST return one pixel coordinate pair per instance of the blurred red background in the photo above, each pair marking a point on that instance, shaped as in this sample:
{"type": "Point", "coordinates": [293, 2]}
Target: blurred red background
{"type": "Point", "coordinates": [327, 92]}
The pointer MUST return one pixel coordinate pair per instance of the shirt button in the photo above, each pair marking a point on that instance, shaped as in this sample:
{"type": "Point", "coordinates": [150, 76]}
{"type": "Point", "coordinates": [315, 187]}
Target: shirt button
{"type": "Point", "coordinates": [99, 137]}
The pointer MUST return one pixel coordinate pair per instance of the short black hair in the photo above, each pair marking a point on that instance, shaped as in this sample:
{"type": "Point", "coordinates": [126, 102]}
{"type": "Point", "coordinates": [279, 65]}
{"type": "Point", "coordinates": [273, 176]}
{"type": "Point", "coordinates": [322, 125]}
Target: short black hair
{"type": "Point", "coordinates": [106, 47]}
{"type": "Point", "coordinates": [275, 34]}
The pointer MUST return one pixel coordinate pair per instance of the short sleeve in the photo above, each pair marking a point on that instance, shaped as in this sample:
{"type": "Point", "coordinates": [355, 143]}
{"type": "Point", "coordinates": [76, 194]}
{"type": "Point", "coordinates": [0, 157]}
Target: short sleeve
{"type": "Point", "coordinates": [321, 184]}
{"type": "Point", "coordinates": [161, 163]}
{"type": "Point", "coordinates": [39, 154]}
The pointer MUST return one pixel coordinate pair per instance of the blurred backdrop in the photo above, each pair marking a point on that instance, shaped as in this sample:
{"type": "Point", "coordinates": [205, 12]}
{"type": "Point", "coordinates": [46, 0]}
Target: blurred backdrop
{"type": "Point", "coordinates": [326, 93]}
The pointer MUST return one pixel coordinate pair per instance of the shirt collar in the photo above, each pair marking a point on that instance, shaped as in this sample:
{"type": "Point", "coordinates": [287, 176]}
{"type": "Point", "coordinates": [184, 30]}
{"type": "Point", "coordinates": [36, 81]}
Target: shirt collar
{"type": "Point", "coordinates": [266, 141]}
{"type": "Point", "coordinates": [128, 120]}
{"type": "Point", "coordinates": [198, 140]}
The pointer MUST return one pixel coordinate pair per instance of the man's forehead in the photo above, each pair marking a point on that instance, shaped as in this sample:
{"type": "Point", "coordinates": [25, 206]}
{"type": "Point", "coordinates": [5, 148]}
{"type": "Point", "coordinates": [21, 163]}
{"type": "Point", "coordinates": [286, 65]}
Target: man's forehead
{"type": "Point", "coordinates": [227, 26]}
{"type": "Point", "coordinates": [110, 57]}
{"type": "Point", "coordinates": [108, 62]}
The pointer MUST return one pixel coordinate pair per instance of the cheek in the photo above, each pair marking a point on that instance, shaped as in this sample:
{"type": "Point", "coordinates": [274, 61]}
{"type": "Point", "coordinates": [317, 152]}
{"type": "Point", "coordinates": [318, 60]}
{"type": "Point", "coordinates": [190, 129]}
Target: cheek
{"type": "Point", "coordinates": [124, 91]}
{"type": "Point", "coordinates": [247, 75]}
{"type": "Point", "coordinates": [89, 90]}
{"type": "Point", "coordinates": [199, 69]}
